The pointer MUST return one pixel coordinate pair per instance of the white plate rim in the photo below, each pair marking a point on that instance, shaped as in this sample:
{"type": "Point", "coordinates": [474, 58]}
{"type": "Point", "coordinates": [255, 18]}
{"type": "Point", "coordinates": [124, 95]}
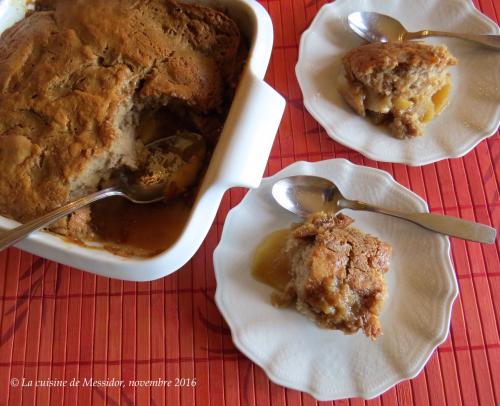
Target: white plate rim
{"type": "Point", "coordinates": [447, 304]}
{"type": "Point", "coordinates": [332, 131]}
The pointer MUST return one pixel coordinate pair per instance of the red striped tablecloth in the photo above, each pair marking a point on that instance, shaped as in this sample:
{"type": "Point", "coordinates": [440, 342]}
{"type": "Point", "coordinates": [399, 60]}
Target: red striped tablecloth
{"type": "Point", "coordinates": [59, 323]}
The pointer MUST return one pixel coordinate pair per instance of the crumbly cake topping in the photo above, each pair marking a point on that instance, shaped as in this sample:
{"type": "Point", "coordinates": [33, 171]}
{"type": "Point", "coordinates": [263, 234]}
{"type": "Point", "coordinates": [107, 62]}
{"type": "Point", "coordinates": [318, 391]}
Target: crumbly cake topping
{"type": "Point", "coordinates": [371, 64]}
{"type": "Point", "coordinates": [337, 274]}
{"type": "Point", "coordinates": [75, 74]}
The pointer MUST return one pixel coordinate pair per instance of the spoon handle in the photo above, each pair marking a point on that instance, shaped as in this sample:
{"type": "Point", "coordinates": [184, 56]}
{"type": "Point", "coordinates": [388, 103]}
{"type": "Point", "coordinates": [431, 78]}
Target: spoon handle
{"type": "Point", "coordinates": [492, 41]}
{"type": "Point", "coordinates": [451, 226]}
{"type": "Point", "coordinates": [15, 235]}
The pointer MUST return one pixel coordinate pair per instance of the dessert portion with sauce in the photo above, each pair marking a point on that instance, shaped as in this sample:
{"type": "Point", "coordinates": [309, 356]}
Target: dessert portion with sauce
{"type": "Point", "coordinates": [401, 84]}
{"type": "Point", "coordinates": [85, 85]}
{"type": "Point", "coordinates": [332, 272]}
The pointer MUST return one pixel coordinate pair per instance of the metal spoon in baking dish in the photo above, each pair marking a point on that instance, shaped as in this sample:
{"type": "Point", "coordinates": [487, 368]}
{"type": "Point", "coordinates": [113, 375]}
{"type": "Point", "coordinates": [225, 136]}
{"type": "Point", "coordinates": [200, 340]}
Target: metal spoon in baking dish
{"type": "Point", "coordinates": [304, 195]}
{"type": "Point", "coordinates": [375, 27]}
{"type": "Point", "coordinates": [121, 184]}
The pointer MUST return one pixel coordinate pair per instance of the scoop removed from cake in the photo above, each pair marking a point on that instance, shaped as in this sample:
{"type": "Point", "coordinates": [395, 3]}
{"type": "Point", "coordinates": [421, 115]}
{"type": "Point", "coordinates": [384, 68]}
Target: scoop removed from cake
{"type": "Point", "coordinates": [77, 78]}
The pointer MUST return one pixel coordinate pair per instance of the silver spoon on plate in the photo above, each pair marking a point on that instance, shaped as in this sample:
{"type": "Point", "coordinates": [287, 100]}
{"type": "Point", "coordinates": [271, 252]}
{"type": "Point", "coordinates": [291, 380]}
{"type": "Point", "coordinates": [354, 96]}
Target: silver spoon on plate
{"type": "Point", "coordinates": [303, 195]}
{"type": "Point", "coordinates": [375, 27]}
{"type": "Point", "coordinates": [122, 183]}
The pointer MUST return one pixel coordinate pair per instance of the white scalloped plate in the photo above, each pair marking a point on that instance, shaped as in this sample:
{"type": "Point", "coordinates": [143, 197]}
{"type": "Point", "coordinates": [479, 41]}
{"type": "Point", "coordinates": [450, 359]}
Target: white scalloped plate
{"type": "Point", "coordinates": [329, 365]}
{"type": "Point", "coordinates": [474, 110]}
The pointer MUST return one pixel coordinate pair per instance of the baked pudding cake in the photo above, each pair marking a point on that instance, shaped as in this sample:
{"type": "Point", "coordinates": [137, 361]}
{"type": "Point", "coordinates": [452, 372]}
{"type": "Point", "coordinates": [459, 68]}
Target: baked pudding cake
{"type": "Point", "coordinates": [336, 274]}
{"type": "Point", "coordinates": [85, 84]}
{"type": "Point", "coordinates": [401, 84]}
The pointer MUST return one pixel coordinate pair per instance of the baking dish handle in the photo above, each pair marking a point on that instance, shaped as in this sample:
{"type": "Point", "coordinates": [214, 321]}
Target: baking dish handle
{"type": "Point", "coordinates": [252, 132]}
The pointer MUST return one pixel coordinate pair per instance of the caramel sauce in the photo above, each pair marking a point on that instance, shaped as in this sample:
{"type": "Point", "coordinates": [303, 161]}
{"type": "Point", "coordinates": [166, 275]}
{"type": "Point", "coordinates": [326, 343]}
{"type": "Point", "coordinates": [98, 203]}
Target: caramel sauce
{"type": "Point", "coordinates": [129, 229]}
{"type": "Point", "coordinates": [270, 263]}
{"type": "Point", "coordinates": [142, 230]}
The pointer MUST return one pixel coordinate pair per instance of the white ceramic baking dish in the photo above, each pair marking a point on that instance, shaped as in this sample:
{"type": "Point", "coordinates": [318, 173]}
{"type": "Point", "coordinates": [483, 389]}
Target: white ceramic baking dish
{"type": "Point", "coordinates": [239, 159]}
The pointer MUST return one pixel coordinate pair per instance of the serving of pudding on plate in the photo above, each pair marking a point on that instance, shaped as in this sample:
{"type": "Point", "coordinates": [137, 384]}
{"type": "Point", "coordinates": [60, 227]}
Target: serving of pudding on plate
{"type": "Point", "coordinates": [333, 273]}
{"type": "Point", "coordinates": [401, 84]}
{"type": "Point", "coordinates": [85, 85]}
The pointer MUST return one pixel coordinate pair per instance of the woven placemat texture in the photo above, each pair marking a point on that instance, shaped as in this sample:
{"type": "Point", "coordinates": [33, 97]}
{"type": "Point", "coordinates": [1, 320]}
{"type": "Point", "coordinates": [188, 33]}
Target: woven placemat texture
{"type": "Point", "coordinates": [59, 323]}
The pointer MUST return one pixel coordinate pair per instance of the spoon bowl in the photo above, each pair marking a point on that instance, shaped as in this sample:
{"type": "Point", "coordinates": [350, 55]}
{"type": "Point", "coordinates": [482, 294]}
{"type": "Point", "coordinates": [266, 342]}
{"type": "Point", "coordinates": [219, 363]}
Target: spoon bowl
{"type": "Point", "coordinates": [128, 183]}
{"type": "Point", "coordinates": [124, 183]}
{"type": "Point", "coordinates": [376, 27]}
{"type": "Point", "coordinates": [304, 195]}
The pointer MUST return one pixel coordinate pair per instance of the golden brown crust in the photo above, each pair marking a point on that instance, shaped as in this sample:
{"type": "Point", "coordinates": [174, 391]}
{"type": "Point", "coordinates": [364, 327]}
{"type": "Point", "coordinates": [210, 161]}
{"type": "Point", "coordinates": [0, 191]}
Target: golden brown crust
{"type": "Point", "coordinates": [395, 82]}
{"type": "Point", "coordinates": [368, 60]}
{"type": "Point", "coordinates": [338, 274]}
{"type": "Point", "coordinates": [69, 74]}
